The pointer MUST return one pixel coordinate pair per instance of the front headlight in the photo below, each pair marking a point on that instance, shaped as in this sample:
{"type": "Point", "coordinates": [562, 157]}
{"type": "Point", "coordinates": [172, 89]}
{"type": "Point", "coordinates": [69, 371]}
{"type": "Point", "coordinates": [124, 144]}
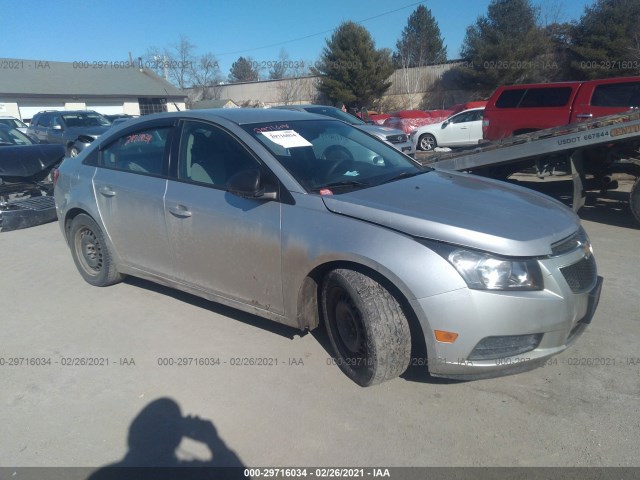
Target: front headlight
{"type": "Point", "coordinates": [483, 271]}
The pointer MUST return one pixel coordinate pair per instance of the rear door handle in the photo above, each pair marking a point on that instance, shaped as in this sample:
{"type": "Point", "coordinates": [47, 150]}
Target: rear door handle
{"type": "Point", "coordinates": [107, 191]}
{"type": "Point", "coordinates": [180, 211]}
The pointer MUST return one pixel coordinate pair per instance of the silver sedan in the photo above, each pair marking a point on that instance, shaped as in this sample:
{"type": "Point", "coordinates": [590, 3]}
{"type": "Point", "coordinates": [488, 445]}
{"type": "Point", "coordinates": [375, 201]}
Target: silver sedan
{"type": "Point", "coordinates": [306, 220]}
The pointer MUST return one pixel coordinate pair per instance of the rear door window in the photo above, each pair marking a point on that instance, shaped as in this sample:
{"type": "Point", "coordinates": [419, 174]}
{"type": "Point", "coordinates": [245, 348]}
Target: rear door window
{"type": "Point", "coordinates": [139, 152]}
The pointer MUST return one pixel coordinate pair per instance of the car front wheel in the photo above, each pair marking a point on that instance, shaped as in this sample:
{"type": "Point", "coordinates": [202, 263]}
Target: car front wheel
{"type": "Point", "coordinates": [367, 328]}
{"type": "Point", "coordinates": [427, 142]}
{"type": "Point", "coordinates": [91, 253]}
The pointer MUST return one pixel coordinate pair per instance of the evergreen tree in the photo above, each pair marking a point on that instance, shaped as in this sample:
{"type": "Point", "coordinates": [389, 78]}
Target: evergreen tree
{"type": "Point", "coordinates": [606, 41]}
{"type": "Point", "coordinates": [506, 46]}
{"type": "Point", "coordinates": [351, 69]}
{"type": "Point", "coordinates": [421, 42]}
{"type": "Point", "coordinates": [243, 70]}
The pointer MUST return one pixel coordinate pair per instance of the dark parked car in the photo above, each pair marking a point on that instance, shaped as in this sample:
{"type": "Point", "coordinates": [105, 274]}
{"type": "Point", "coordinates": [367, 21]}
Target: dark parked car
{"type": "Point", "coordinates": [72, 129]}
{"type": "Point", "coordinates": [26, 180]}
{"type": "Point", "coordinates": [307, 220]}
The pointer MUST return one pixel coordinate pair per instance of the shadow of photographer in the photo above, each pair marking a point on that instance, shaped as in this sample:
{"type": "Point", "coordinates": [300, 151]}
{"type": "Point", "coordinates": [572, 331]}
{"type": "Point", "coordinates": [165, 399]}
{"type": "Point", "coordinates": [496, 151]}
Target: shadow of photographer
{"type": "Point", "coordinates": [155, 435]}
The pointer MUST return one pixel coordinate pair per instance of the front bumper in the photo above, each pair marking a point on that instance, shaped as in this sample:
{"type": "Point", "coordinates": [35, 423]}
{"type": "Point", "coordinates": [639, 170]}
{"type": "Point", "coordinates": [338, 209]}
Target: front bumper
{"type": "Point", "coordinates": [26, 213]}
{"type": "Point", "coordinates": [555, 317]}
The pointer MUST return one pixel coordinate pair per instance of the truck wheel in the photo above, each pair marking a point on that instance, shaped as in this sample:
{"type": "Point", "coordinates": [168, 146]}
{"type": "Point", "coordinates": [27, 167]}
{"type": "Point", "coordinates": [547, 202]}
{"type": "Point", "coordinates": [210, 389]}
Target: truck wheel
{"type": "Point", "coordinates": [367, 328]}
{"type": "Point", "coordinates": [427, 142]}
{"type": "Point", "coordinates": [91, 253]}
{"type": "Point", "coordinates": [634, 200]}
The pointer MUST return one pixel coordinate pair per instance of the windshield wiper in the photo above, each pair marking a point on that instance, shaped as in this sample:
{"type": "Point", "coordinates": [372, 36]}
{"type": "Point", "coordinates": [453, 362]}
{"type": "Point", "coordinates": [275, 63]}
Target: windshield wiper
{"type": "Point", "coordinates": [402, 175]}
{"type": "Point", "coordinates": [343, 183]}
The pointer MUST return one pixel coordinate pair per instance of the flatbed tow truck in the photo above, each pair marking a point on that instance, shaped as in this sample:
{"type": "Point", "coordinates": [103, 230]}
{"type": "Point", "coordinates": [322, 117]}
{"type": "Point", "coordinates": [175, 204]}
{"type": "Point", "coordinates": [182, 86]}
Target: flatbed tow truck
{"type": "Point", "coordinates": [591, 151]}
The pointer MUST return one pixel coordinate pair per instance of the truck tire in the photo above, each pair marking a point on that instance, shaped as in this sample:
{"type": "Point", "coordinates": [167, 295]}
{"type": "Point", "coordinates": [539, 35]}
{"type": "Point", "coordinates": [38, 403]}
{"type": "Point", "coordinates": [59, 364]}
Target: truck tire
{"type": "Point", "coordinates": [634, 200]}
{"type": "Point", "coordinates": [367, 328]}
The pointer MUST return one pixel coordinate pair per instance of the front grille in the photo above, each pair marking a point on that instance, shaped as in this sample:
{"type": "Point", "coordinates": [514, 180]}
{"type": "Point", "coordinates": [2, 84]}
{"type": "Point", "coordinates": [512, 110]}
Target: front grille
{"type": "Point", "coordinates": [581, 276]}
{"type": "Point", "coordinates": [397, 138]}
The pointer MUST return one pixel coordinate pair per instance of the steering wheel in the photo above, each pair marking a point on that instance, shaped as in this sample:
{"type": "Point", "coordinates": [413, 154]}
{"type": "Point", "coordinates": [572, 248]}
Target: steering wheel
{"type": "Point", "coordinates": [339, 155]}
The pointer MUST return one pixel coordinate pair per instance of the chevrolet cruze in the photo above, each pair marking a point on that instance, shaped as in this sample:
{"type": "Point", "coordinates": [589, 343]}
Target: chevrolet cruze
{"type": "Point", "coordinates": [309, 221]}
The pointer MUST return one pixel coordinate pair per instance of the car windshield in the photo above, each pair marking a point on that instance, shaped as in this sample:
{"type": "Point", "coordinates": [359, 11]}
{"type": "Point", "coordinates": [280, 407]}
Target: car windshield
{"type": "Point", "coordinates": [11, 136]}
{"type": "Point", "coordinates": [85, 120]}
{"type": "Point", "coordinates": [335, 113]}
{"type": "Point", "coordinates": [12, 122]}
{"type": "Point", "coordinates": [333, 157]}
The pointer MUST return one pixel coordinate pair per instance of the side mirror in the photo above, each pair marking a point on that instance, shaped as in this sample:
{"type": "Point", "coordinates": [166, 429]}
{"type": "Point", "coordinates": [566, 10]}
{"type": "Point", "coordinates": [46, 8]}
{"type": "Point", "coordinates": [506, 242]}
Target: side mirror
{"type": "Point", "coordinates": [248, 184]}
{"type": "Point", "coordinates": [444, 125]}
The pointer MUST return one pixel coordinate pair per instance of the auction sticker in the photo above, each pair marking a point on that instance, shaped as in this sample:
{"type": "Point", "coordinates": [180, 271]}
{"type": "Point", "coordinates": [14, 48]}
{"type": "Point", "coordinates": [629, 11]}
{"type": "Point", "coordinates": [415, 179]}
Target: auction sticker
{"type": "Point", "coordinates": [287, 138]}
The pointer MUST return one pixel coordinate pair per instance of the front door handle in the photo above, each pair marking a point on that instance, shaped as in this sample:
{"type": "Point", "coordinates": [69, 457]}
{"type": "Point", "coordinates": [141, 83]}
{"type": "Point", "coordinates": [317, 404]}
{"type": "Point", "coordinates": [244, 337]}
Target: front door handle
{"type": "Point", "coordinates": [180, 211]}
{"type": "Point", "coordinates": [584, 115]}
{"type": "Point", "coordinates": [107, 191]}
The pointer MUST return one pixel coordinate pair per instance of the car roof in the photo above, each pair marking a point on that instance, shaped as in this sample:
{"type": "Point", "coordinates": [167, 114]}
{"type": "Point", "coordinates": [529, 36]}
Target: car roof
{"type": "Point", "coordinates": [240, 116]}
{"type": "Point", "coordinates": [302, 106]}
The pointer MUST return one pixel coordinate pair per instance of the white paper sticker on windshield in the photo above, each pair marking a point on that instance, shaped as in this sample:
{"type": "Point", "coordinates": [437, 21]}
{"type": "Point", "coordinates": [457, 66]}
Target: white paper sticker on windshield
{"type": "Point", "coordinates": [287, 138]}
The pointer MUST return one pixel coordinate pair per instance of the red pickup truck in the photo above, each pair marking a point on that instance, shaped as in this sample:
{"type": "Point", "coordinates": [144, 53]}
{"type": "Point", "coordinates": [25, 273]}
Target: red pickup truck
{"type": "Point", "coordinates": [518, 109]}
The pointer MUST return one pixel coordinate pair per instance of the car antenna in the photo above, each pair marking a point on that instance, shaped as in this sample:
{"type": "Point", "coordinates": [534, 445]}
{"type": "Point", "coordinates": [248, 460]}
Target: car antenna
{"type": "Point", "coordinates": [174, 103]}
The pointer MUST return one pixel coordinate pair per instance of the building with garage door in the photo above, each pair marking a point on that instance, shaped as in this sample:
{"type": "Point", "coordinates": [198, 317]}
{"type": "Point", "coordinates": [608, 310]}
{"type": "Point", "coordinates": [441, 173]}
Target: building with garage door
{"type": "Point", "coordinates": [30, 86]}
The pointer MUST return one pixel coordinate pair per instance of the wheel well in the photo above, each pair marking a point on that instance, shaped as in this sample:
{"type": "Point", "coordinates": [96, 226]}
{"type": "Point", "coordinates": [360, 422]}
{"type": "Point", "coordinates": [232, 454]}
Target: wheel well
{"type": "Point", "coordinates": [309, 310]}
{"type": "Point", "coordinates": [71, 214]}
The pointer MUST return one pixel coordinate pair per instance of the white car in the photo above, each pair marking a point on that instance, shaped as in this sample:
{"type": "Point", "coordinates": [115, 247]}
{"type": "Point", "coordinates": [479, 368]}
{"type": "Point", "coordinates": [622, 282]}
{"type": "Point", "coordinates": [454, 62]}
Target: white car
{"type": "Point", "coordinates": [13, 122]}
{"type": "Point", "coordinates": [460, 130]}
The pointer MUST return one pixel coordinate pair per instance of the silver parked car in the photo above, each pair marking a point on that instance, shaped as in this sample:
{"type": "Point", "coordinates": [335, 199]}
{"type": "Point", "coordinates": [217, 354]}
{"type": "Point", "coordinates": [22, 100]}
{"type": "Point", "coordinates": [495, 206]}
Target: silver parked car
{"type": "Point", "coordinates": [396, 138]}
{"type": "Point", "coordinates": [307, 220]}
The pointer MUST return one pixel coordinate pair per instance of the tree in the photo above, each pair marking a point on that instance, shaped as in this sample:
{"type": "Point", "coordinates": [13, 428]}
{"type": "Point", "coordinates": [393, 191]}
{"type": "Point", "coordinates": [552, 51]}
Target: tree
{"type": "Point", "coordinates": [421, 42]}
{"type": "Point", "coordinates": [179, 65]}
{"type": "Point", "coordinates": [504, 47]}
{"type": "Point", "coordinates": [244, 70]}
{"type": "Point", "coordinates": [205, 76]}
{"type": "Point", "coordinates": [606, 41]}
{"type": "Point", "coordinates": [280, 68]}
{"type": "Point", "coordinates": [351, 69]}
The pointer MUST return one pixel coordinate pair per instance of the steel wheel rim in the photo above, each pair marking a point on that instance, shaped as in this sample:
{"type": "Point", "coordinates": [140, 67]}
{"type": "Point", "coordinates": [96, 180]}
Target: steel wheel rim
{"type": "Point", "coordinates": [350, 334]}
{"type": "Point", "coordinates": [89, 251]}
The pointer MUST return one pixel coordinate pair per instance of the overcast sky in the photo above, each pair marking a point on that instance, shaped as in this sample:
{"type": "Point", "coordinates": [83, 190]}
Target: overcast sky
{"type": "Point", "coordinates": [66, 30]}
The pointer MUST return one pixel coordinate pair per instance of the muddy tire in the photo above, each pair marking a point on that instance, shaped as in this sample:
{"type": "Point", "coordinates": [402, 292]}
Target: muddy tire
{"type": "Point", "coordinates": [634, 200]}
{"type": "Point", "coordinates": [427, 142]}
{"type": "Point", "coordinates": [367, 328]}
{"type": "Point", "coordinates": [91, 252]}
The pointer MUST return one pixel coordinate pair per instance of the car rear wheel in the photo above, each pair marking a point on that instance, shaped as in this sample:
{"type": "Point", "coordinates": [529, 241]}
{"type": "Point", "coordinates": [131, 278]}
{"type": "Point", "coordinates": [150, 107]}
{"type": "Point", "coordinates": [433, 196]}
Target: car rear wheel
{"type": "Point", "coordinates": [367, 328]}
{"type": "Point", "coordinates": [91, 253]}
{"type": "Point", "coordinates": [427, 142]}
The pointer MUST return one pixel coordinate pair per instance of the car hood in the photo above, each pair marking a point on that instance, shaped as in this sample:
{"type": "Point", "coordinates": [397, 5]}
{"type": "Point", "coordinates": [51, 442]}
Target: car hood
{"type": "Point", "coordinates": [25, 161]}
{"type": "Point", "coordinates": [380, 131]}
{"type": "Point", "coordinates": [465, 210]}
{"type": "Point", "coordinates": [93, 131]}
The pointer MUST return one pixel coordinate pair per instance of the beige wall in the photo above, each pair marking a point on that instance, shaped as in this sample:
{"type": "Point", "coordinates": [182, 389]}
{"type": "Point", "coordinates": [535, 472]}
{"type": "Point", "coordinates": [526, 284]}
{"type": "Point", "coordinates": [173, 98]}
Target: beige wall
{"type": "Point", "coordinates": [407, 88]}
